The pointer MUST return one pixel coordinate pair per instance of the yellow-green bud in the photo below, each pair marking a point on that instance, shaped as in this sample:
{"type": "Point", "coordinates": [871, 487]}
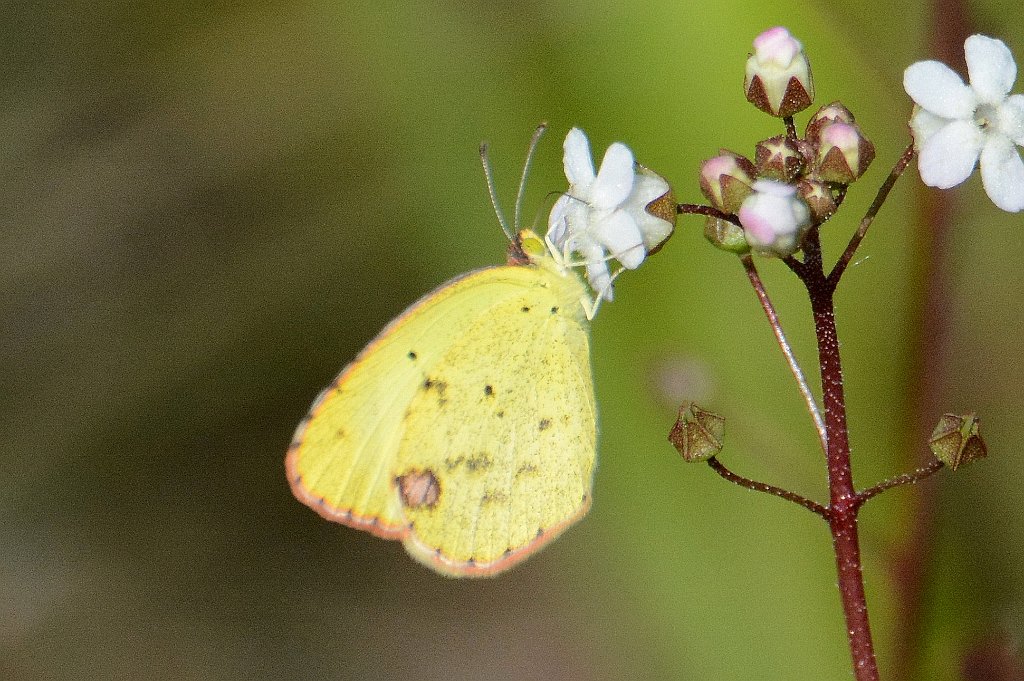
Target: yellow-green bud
{"type": "Point", "coordinates": [957, 440]}
{"type": "Point", "coordinates": [697, 433]}
{"type": "Point", "coordinates": [725, 235]}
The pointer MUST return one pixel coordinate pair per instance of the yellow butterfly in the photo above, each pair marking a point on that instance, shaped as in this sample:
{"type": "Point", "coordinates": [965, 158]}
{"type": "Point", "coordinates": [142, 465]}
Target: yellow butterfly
{"type": "Point", "coordinates": [467, 428]}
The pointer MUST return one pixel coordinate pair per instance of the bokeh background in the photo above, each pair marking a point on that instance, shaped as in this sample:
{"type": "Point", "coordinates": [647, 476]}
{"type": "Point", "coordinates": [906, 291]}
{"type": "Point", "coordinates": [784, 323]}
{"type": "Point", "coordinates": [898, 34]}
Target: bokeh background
{"type": "Point", "coordinates": [208, 208]}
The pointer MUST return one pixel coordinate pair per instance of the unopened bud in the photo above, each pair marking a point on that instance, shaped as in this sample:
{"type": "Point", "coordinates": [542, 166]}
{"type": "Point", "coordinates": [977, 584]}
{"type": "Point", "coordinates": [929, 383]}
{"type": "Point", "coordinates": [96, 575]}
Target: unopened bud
{"type": "Point", "coordinates": [957, 440]}
{"type": "Point", "coordinates": [774, 218]}
{"type": "Point", "coordinates": [844, 154]}
{"type": "Point", "coordinates": [818, 197]}
{"type": "Point", "coordinates": [778, 76]}
{"type": "Point", "coordinates": [697, 433]}
{"type": "Point", "coordinates": [826, 114]}
{"type": "Point", "coordinates": [726, 180]}
{"type": "Point", "coordinates": [778, 158]}
{"type": "Point", "coordinates": [726, 235]}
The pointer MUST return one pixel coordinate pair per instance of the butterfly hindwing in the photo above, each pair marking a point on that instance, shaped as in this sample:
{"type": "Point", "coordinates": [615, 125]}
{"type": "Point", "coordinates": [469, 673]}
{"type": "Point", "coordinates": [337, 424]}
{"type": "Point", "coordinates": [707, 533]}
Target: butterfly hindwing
{"type": "Point", "coordinates": [466, 427]}
{"type": "Point", "coordinates": [503, 430]}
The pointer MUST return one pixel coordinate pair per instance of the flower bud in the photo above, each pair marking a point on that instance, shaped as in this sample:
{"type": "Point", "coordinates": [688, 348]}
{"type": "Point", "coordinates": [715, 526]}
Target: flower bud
{"type": "Point", "coordinates": [957, 440]}
{"type": "Point", "coordinates": [697, 433]}
{"type": "Point", "coordinates": [774, 218]}
{"type": "Point", "coordinates": [778, 158]}
{"type": "Point", "coordinates": [726, 180]}
{"type": "Point", "coordinates": [844, 154]}
{"type": "Point", "coordinates": [818, 197]}
{"type": "Point", "coordinates": [826, 114]}
{"type": "Point", "coordinates": [725, 235]}
{"type": "Point", "coordinates": [778, 76]}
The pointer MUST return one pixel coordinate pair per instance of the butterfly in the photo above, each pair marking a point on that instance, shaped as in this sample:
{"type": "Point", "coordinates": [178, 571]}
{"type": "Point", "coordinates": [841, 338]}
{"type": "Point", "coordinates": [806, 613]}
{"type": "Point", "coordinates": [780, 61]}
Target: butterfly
{"type": "Point", "coordinates": [467, 428]}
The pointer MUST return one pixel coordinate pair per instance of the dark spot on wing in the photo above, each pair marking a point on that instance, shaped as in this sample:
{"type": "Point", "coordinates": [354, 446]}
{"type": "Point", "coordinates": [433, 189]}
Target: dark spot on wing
{"type": "Point", "coordinates": [527, 469]}
{"type": "Point", "coordinates": [412, 355]}
{"type": "Point", "coordinates": [488, 390]}
{"type": "Point", "coordinates": [440, 387]}
{"type": "Point", "coordinates": [419, 488]}
{"type": "Point", "coordinates": [500, 414]}
{"type": "Point", "coordinates": [554, 309]}
{"type": "Point", "coordinates": [544, 424]}
{"type": "Point", "coordinates": [480, 461]}
{"type": "Point", "coordinates": [493, 497]}
{"type": "Point", "coordinates": [525, 308]}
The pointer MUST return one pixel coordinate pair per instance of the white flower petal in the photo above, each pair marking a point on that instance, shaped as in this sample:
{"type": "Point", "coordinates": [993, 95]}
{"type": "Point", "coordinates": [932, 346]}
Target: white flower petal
{"type": "Point", "coordinates": [1011, 118]}
{"type": "Point", "coordinates": [579, 167]}
{"type": "Point", "coordinates": [991, 67]}
{"type": "Point", "coordinates": [653, 230]}
{"type": "Point", "coordinates": [925, 124]}
{"type": "Point", "coordinates": [614, 179]}
{"type": "Point", "coordinates": [597, 267]}
{"type": "Point", "coordinates": [937, 88]}
{"type": "Point", "coordinates": [620, 235]}
{"type": "Point", "coordinates": [648, 188]}
{"type": "Point", "coordinates": [558, 220]}
{"type": "Point", "coordinates": [1002, 173]}
{"type": "Point", "coordinates": [948, 157]}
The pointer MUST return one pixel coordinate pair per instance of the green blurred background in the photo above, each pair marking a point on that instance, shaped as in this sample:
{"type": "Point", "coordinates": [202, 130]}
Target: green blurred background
{"type": "Point", "coordinates": [208, 208]}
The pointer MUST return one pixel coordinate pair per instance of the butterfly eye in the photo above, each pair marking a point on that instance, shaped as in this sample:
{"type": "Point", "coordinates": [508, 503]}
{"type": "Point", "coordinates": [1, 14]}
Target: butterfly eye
{"type": "Point", "coordinates": [531, 244]}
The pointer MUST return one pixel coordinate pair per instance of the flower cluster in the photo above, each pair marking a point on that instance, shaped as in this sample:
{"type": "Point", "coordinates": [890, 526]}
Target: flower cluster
{"type": "Point", "coordinates": [623, 211]}
{"type": "Point", "coordinates": [793, 182]}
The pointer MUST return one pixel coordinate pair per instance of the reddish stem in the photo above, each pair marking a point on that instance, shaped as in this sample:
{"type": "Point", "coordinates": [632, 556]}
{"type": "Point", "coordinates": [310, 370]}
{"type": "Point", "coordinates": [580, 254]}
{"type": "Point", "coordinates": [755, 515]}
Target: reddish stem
{"type": "Point", "coordinates": [843, 500]}
{"type": "Point", "coordinates": [718, 467]}
{"type": "Point", "coordinates": [699, 209]}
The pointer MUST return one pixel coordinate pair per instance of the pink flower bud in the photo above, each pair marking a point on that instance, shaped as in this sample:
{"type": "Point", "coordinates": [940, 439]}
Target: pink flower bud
{"type": "Point", "coordinates": [778, 76]}
{"type": "Point", "coordinates": [844, 154]}
{"type": "Point", "coordinates": [826, 114]}
{"type": "Point", "coordinates": [726, 180]}
{"type": "Point", "coordinates": [774, 218]}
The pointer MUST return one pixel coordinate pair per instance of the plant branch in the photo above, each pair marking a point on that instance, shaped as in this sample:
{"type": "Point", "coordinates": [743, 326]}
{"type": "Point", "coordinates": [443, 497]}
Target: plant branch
{"type": "Point", "coordinates": [869, 217]}
{"type": "Point", "coordinates": [912, 478]}
{"type": "Point", "coordinates": [756, 486]}
{"type": "Point", "coordinates": [787, 350]}
{"type": "Point", "coordinates": [698, 209]}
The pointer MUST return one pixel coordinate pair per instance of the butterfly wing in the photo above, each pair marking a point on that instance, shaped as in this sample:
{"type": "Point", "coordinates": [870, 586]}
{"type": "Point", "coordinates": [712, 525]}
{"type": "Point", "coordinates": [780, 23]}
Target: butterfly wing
{"type": "Point", "coordinates": [467, 428]}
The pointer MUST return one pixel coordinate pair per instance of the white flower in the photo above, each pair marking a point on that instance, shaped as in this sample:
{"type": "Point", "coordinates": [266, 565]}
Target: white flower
{"type": "Point", "coordinates": [774, 218]}
{"type": "Point", "coordinates": [603, 215]}
{"type": "Point", "coordinates": [956, 125]}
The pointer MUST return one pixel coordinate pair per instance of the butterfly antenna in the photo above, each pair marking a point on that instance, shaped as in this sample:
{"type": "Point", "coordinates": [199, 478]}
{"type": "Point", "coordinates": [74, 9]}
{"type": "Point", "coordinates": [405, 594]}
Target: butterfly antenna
{"type": "Point", "coordinates": [534, 141]}
{"type": "Point", "coordinates": [489, 174]}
